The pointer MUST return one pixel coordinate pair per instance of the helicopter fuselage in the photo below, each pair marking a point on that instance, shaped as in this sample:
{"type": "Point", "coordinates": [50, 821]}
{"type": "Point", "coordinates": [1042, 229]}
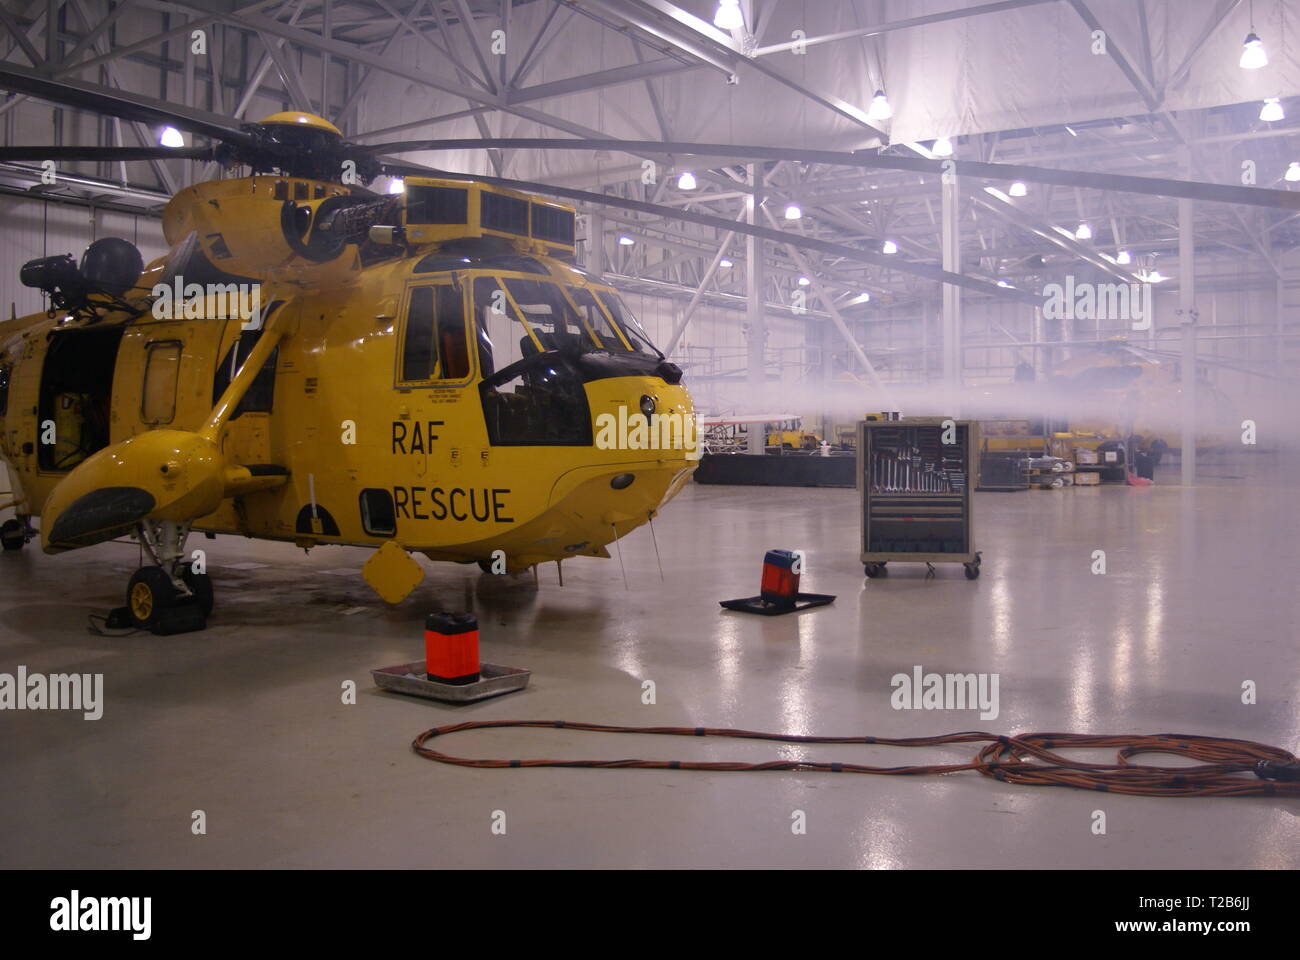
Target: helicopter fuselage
{"type": "Point", "coordinates": [449, 399]}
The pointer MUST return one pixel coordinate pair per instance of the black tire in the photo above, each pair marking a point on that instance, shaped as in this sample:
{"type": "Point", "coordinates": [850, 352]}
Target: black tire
{"type": "Point", "coordinates": [149, 591]}
{"type": "Point", "coordinates": [11, 535]}
{"type": "Point", "coordinates": [200, 585]}
{"type": "Point", "coordinates": [972, 570]}
{"type": "Point", "coordinates": [874, 570]}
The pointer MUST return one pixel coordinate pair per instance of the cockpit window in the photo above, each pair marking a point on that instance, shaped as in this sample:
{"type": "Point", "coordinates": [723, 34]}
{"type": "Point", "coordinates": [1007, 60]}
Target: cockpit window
{"type": "Point", "coordinates": [520, 317]}
{"type": "Point", "coordinates": [547, 311]}
{"type": "Point", "coordinates": [636, 336]}
{"type": "Point", "coordinates": [597, 322]}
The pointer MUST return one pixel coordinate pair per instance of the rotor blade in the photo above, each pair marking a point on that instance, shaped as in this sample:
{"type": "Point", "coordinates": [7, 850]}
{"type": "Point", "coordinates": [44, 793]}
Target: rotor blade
{"type": "Point", "coordinates": [1122, 183]}
{"type": "Point", "coordinates": [110, 154]}
{"type": "Point", "coordinates": [117, 103]}
{"type": "Point", "coordinates": [777, 236]}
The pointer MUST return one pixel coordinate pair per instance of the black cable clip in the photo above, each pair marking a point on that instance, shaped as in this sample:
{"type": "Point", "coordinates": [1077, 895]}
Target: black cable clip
{"type": "Point", "coordinates": [1288, 770]}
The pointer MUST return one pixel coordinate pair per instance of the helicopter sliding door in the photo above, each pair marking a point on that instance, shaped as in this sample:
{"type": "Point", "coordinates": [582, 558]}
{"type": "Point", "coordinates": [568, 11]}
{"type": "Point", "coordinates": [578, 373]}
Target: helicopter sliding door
{"type": "Point", "coordinates": [434, 348]}
{"type": "Point", "coordinates": [76, 388]}
{"type": "Point", "coordinates": [162, 369]}
{"type": "Point", "coordinates": [435, 497]}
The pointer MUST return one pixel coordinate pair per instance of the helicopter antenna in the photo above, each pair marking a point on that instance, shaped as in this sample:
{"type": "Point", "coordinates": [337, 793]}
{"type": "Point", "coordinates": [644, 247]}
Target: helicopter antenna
{"type": "Point", "coordinates": [650, 518]}
{"type": "Point", "coordinates": [618, 546]}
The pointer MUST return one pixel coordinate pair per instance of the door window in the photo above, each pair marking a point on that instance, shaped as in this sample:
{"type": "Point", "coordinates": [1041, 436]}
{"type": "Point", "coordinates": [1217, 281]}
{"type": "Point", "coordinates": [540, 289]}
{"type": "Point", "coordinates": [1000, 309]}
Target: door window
{"type": "Point", "coordinates": [161, 371]}
{"type": "Point", "coordinates": [433, 336]}
{"type": "Point", "coordinates": [261, 392]}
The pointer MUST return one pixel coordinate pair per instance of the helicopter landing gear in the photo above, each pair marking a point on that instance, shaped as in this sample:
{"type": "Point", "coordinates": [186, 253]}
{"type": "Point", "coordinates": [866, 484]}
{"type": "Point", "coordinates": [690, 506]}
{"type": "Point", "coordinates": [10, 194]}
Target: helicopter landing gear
{"type": "Point", "coordinates": [200, 585]}
{"type": "Point", "coordinates": [149, 593]}
{"type": "Point", "coordinates": [167, 597]}
{"type": "Point", "coordinates": [14, 534]}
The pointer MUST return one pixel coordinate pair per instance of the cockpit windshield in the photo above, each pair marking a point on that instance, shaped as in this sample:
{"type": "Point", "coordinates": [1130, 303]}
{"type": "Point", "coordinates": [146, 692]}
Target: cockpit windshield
{"type": "Point", "coordinates": [520, 317]}
{"type": "Point", "coordinates": [622, 317]}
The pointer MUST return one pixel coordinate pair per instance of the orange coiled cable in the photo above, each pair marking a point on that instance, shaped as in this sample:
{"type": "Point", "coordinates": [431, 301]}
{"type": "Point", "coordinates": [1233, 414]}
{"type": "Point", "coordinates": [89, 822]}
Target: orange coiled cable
{"type": "Point", "coordinates": [1226, 768]}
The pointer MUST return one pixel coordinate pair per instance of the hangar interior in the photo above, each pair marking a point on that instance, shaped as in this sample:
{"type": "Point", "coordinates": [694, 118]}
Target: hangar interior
{"type": "Point", "coordinates": [1027, 217]}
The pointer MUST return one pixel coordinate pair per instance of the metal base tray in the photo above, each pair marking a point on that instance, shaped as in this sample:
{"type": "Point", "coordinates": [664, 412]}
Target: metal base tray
{"type": "Point", "coordinates": [803, 601]}
{"type": "Point", "coordinates": [410, 679]}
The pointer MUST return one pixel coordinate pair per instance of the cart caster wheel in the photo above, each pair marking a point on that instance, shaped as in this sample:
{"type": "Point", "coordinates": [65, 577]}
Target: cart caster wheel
{"type": "Point", "coordinates": [874, 570]}
{"type": "Point", "coordinates": [11, 535]}
{"type": "Point", "coordinates": [972, 570]}
{"type": "Point", "coordinates": [149, 592]}
{"type": "Point", "coordinates": [200, 585]}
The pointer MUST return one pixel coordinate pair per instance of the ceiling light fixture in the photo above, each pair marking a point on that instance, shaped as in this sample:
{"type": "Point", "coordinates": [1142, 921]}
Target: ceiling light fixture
{"type": "Point", "coordinates": [889, 246]}
{"type": "Point", "coordinates": [625, 241]}
{"type": "Point", "coordinates": [1252, 53]}
{"type": "Point", "coordinates": [686, 181]}
{"type": "Point", "coordinates": [880, 108]}
{"type": "Point", "coordinates": [729, 16]}
{"type": "Point", "coordinates": [724, 262]}
{"type": "Point", "coordinates": [792, 212]}
{"type": "Point", "coordinates": [1272, 111]}
{"type": "Point", "coordinates": [1018, 189]}
{"type": "Point", "coordinates": [171, 137]}
{"type": "Point", "coordinates": [942, 147]}
{"type": "Point", "coordinates": [1293, 171]}
{"type": "Point", "coordinates": [1124, 258]}
{"type": "Point", "coordinates": [1083, 232]}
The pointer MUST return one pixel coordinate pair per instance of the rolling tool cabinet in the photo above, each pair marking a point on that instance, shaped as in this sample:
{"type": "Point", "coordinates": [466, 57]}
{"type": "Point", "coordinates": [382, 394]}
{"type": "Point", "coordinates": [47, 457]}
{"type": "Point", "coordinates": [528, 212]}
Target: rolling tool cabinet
{"type": "Point", "coordinates": [917, 477]}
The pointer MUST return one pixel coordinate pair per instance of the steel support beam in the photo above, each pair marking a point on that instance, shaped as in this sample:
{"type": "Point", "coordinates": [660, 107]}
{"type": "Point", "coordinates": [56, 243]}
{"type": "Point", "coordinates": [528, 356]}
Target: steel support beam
{"type": "Point", "coordinates": [755, 313]}
{"type": "Point", "coordinates": [1187, 324]}
{"type": "Point", "coordinates": [837, 318]}
{"type": "Point", "coordinates": [951, 324]}
{"type": "Point", "coordinates": [709, 274]}
{"type": "Point", "coordinates": [879, 29]}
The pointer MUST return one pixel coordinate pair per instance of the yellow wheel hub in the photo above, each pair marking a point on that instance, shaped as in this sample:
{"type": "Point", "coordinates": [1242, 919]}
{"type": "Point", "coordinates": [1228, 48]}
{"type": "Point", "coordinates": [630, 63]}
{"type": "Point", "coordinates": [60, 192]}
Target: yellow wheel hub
{"type": "Point", "coordinates": [141, 601]}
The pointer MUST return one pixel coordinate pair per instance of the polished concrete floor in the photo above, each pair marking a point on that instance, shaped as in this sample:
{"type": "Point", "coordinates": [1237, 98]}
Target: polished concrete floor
{"type": "Point", "coordinates": [245, 721]}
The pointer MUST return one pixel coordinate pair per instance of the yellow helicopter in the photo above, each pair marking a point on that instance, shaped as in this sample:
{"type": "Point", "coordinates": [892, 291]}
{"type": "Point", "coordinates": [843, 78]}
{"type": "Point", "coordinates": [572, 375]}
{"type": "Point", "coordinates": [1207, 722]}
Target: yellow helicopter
{"type": "Point", "coordinates": [316, 363]}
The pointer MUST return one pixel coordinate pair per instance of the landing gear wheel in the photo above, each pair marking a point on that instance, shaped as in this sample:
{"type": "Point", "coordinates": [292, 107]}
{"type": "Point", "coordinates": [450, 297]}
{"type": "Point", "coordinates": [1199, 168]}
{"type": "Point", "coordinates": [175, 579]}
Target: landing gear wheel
{"type": "Point", "coordinates": [11, 535]}
{"type": "Point", "coordinates": [874, 570]}
{"type": "Point", "coordinates": [200, 585]}
{"type": "Point", "coordinates": [149, 592]}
